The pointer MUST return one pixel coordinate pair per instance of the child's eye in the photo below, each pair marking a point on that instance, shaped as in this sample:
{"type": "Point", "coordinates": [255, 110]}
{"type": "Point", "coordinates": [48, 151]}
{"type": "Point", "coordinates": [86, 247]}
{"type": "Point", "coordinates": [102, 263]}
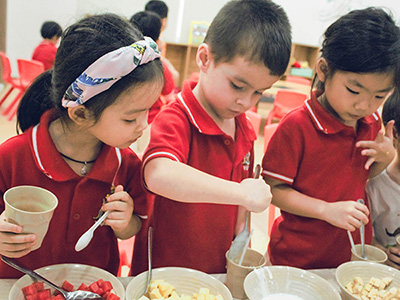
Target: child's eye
{"type": "Point", "coordinates": [379, 97]}
{"type": "Point", "coordinates": [130, 121]}
{"type": "Point", "coordinates": [258, 93]}
{"type": "Point", "coordinates": [351, 91]}
{"type": "Point", "coordinates": [236, 87]}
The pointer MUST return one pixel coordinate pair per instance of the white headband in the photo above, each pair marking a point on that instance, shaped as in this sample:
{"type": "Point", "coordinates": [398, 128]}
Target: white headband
{"type": "Point", "coordinates": [108, 69]}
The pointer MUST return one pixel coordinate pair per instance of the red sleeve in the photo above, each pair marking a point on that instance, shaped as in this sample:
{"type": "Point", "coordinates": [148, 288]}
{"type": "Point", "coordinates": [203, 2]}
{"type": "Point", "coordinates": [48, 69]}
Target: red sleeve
{"type": "Point", "coordinates": [169, 84]}
{"type": "Point", "coordinates": [170, 135]}
{"type": "Point", "coordinates": [283, 154]}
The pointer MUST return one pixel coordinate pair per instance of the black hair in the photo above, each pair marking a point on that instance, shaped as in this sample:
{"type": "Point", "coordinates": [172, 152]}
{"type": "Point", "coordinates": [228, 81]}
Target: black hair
{"type": "Point", "coordinates": [391, 110]}
{"type": "Point", "coordinates": [148, 22]}
{"type": "Point", "coordinates": [50, 29]}
{"type": "Point", "coordinates": [81, 44]}
{"type": "Point", "coordinates": [362, 41]}
{"type": "Point", "coordinates": [157, 6]}
{"type": "Point", "coordinates": [256, 29]}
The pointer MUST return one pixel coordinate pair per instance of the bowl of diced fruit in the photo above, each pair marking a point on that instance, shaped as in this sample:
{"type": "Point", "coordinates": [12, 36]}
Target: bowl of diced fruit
{"type": "Point", "coordinates": [70, 277]}
{"type": "Point", "coordinates": [178, 284]}
{"type": "Point", "coordinates": [368, 280]}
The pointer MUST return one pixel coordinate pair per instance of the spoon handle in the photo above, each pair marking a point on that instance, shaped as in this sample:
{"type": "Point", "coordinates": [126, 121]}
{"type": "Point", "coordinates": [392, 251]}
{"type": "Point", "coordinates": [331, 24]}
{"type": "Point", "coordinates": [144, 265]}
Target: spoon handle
{"type": "Point", "coordinates": [31, 273]}
{"type": "Point", "coordinates": [362, 233]}
{"type": "Point", "coordinates": [99, 221]}
{"type": "Point", "coordinates": [149, 248]}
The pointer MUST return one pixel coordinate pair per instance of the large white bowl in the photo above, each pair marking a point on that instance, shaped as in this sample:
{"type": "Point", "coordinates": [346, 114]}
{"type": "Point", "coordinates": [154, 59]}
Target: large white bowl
{"type": "Point", "coordinates": [347, 271]}
{"type": "Point", "coordinates": [270, 280]}
{"type": "Point", "coordinates": [186, 281]}
{"type": "Point", "coordinates": [74, 273]}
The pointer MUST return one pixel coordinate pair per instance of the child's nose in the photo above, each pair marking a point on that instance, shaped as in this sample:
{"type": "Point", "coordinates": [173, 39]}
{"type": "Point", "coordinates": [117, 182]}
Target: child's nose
{"type": "Point", "coordinates": [363, 104]}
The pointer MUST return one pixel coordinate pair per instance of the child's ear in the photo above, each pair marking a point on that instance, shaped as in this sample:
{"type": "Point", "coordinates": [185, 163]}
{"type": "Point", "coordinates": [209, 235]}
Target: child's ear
{"type": "Point", "coordinates": [79, 115]}
{"type": "Point", "coordinates": [203, 57]}
{"type": "Point", "coordinates": [322, 69]}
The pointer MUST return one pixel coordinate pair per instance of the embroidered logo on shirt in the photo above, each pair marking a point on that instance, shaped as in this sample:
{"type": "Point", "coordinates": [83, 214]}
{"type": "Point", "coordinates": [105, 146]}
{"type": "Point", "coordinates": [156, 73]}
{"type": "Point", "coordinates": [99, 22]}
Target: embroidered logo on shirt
{"type": "Point", "coordinates": [246, 162]}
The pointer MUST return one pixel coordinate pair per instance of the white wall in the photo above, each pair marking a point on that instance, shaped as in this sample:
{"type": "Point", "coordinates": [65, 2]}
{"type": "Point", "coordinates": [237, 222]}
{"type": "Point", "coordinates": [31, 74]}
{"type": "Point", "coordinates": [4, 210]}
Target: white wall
{"type": "Point", "coordinates": [309, 18]}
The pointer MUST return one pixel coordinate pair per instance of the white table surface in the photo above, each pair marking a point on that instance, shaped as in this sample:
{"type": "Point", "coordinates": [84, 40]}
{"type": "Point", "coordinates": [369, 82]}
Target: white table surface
{"type": "Point", "coordinates": [328, 274]}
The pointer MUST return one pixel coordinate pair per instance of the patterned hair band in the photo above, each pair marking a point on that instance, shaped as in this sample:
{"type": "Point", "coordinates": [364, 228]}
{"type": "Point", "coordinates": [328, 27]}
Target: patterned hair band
{"type": "Point", "coordinates": [108, 69]}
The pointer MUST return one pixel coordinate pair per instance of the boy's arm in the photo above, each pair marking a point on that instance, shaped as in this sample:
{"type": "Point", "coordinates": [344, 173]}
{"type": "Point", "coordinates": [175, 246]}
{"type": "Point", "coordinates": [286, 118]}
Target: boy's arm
{"type": "Point", "coordinates": [343, 214]}
{"type": "Point", "coordinates": [180, 182]}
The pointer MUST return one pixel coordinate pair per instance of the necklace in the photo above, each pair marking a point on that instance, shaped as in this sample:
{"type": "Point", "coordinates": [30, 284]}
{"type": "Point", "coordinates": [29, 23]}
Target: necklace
{"type": "Point", "coordinates": [84, 167]}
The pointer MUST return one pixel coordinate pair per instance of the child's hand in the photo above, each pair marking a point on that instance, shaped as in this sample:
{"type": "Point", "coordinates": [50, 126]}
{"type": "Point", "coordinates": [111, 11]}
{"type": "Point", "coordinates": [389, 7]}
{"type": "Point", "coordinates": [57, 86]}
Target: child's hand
{"type": "Point", "coordinates": [347, 214]}
{"type": "Point", "coordinates": [380, 150]}
{"type": "Point", "coordinates": [120, 205]}
{"type": "Point", "coordinates": [393, 254]}
{"type": "Point", "coordinates": [257, 194]}
{"type": "Point", "coordinates": [13, 243]}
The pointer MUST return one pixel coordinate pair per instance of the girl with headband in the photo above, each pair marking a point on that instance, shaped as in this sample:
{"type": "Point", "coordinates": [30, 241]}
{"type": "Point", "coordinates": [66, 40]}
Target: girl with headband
{"type": "Point", "coordinates": [78, 121]}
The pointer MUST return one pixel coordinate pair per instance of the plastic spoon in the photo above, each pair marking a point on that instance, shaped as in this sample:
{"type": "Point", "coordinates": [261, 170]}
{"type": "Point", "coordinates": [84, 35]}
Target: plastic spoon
{"type": "Point", "coordinates": [362, 234]}
{"type": "Point", "coordinates": [75, 295]}
{"type": "Point", "coordinates": [85, 238]}
{"type": "Point", "coordinates": [239, 243]}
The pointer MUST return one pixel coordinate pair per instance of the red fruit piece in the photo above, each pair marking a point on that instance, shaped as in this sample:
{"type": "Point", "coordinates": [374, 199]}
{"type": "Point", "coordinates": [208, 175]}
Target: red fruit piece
{"type": "Point", "coordinates": [58, 297]}
{"type": "Point", "coordinates": [29, 289]}
{"type": "Point", "coordinates": [67, 286]}
{"type": "Point", "coordinates": [83, 287]}
{"type": "Point", "coordinates": [39, 286]}
{"type": "Point", "coordinates": [31, 297]}
{"type": "Point", "coordinates": [112, 296]}
{"type": "Point", "coordinates": [44, 295]}
{"type": "Point", "coordinates": [106, 286]}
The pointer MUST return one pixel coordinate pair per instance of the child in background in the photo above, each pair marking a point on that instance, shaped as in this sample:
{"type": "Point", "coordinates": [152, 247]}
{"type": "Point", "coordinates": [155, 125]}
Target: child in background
{"type": "Point", "coordinates": [160, 8]}
{"type": "Point", "coordinates": [321, 155]}
{"type": "Point", "coordinates": [91, 107]}
{"type": "Point", "coordinates": [150, 25]}
{"type": "Point", "coordinates": [45, 52]}
{"type": "Point", "coordinates": [384, 191]}
{"type": "Point", "coordinates": [200, 155]}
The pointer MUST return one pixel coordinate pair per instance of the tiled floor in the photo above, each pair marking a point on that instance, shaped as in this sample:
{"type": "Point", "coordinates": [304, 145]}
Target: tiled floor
{"type": "Point", "coordinates": [259, 221]}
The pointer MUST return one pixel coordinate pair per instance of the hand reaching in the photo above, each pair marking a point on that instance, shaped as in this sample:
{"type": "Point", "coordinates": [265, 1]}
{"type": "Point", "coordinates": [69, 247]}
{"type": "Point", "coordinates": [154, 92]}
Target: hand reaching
{"type": "Point", "coordinates": [393, 254]}
{"type": "Point", "coordinates": [13, 243]}
{"type": "Point", "coordinates": [347, 214]}
{"type": "Point", "coordinates": [380, 150]}
{"type": "Point", "coordinates": [120, 205]}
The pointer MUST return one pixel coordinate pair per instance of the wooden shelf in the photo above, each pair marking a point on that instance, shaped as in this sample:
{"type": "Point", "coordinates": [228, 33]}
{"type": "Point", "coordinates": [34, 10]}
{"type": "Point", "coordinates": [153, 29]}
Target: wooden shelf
{"type": "Point", "coordinates": [183, 57]}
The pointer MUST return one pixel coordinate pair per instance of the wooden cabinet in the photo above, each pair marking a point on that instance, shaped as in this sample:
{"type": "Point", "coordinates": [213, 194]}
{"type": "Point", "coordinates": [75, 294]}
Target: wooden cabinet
{"type": "Point", "coordinates": [303, 53]}
{"type": "Point", "coordinates": [183, 57]}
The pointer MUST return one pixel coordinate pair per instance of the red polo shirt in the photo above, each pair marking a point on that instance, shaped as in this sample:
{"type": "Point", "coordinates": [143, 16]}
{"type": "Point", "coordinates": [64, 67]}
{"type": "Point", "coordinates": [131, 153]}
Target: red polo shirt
{"type": "Point", "coordinates": [315, 154]}
{"type": "Point", "coordinates": [196, 235]}
{"type": "Point", "coordinates": [31, 158]}
{"type": "Point", "coordinates": [45, 52]}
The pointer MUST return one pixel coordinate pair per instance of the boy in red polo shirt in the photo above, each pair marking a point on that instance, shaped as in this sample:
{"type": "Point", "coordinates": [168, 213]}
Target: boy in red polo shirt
{"type": "Point", "coordinates": [200, 155]}
{"type": "Point", "coordinates": [46, 51]}
{"type": "Point", "coordinates": [323, 152]}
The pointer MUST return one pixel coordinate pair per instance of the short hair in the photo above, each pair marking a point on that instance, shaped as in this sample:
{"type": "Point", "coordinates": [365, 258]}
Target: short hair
{"type": "Point", "coordinates": [148, 22]}
{"type": "Point", "coordinates": [256, 29]}
{"type": "Point", "coordinates": [363, 41]}
{"type": "Point", "coordinates": [157, 6]}
{"type": "Point", "coordinates": [50, 29]}
{"type": "Point", "coordinates": [391, 110]}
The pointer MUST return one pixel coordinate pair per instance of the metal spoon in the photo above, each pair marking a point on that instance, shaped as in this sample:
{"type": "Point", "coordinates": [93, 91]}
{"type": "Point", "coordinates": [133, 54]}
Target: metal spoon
{"type": "Point", "coordinates": [85, 238]}
{"type": "Point", "coordinates": [239, 243]}
{"type": "Point", "coordinates": [149, 247]}
{"type": "Point", "coordinates": [362, 234]}
{"type": "Point", "coordinates": [75, 295]}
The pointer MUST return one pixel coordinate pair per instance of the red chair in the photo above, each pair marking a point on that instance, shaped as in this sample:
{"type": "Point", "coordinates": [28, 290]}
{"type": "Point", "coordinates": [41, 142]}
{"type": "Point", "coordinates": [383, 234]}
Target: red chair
{"type": "Point", "coordinates": [255, 120]}
{"type": "Point", "coordinates": [28, 70]}
{"type": "Point", "coordinates": [284, 102]}
{"type": "Point", "coordinates": [269, 131]}
{"type": "Point", "coordinates": [298, 79]}
{"type": "Point", "coordinates": [12, 82]}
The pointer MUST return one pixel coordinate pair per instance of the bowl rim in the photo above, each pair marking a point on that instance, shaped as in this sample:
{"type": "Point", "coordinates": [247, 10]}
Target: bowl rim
{"type": "Point", "coordinates": [181, 269]}
{"type": "Point", "coordinates": [16, 289]}
{"type": "Point", "coordinates": [295, 269]}
{"type": "Point", "coordinates": [362, 263]}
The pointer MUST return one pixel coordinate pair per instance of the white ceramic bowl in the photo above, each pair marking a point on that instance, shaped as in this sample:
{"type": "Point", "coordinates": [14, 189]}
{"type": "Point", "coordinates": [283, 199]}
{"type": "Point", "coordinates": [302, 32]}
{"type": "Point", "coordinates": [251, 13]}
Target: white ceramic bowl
{"type": "Point", "coordinates": [347, 271]}
{"type": "Point", "coordinates": [271, 280]}
{"type": "Point", "coordinates": [73, 273]}
{"type": "Point", "coordinates": [186, 281]}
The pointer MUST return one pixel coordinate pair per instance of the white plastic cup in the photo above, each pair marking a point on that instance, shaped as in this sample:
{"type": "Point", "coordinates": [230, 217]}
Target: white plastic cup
{"type": "Point", "coordinates": [32, 208]}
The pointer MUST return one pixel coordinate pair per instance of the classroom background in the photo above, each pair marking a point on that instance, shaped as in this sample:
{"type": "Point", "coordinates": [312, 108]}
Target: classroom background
{"type": "Point", "coordinates": [20, 22]}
